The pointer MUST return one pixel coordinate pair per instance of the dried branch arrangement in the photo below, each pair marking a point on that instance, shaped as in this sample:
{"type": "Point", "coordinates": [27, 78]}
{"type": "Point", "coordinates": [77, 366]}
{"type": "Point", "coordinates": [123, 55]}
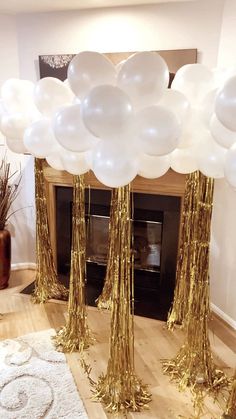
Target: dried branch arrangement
{"type": "Point", "coordinates": [8, 192]}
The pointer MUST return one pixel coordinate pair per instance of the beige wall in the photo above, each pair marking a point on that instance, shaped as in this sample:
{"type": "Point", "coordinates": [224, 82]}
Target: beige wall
{"type": "Point", "coordinates": [21, 224]}
{"type": "Point", "coordinates": [223, 250]}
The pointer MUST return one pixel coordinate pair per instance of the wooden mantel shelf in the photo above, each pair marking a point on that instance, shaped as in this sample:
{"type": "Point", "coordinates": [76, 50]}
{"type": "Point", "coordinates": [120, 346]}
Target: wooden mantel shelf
{"type": "Point", "coordinates": [171, 183]}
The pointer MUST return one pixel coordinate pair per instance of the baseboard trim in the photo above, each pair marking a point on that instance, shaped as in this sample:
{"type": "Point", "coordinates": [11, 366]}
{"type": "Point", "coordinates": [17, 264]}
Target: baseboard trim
{"type": "Point", "coordinates": [23, 266]}
{"type": "Point", "coordinates": [223, 316]}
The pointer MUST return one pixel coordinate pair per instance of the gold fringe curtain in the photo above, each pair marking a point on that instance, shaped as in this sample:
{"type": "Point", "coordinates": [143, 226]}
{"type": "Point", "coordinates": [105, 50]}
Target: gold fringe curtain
{"type": "Point", "coordinates": [75, 335]}
{"type": "Point", "coordinates": [46, 283]}
{"type": "Point", "coordinates": [193, 366]}
{"type": "Point", "coordinates": [231, 404]}
{"type": "Point", "coordinates": [179, 309]}
{"type": "Point", "coordinates": [105, 299]}
{"type": "Point", "coordinates": [120, 389]}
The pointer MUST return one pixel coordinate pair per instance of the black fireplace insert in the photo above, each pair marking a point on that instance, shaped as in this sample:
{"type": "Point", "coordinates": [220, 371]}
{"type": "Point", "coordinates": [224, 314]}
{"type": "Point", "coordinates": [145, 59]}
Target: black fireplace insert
{"type": "Point", "coordinates": [155, 229]}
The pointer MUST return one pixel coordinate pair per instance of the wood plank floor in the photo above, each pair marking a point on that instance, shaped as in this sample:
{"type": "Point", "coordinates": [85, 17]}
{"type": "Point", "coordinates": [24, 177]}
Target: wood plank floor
{"type": "Point", "coordinates": [152, 343]}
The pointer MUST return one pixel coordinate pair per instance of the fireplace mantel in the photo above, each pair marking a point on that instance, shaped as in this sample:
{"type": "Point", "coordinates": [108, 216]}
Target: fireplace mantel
{"type": "Point", "coordinates": [172, 184]}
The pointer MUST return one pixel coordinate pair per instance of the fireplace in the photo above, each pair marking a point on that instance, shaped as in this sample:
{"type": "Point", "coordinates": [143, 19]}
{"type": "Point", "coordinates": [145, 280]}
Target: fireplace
{"type": "Point", "coordinates": [157, 206]}
{"type": "Point", "coordinates": [155, 228]}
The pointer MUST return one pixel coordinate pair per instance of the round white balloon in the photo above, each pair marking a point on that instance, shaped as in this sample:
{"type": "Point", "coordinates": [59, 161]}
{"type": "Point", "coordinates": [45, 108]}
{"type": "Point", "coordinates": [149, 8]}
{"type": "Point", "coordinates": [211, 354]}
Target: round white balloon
{"type": "Point", "coordinates": [177, 103]}
{"type": "Point", "coordinates": [230, 166]}
{"type": "Point", "coordinates": [210, 157]}
{"type": "Point", "coordinates": [16, 145]}
{"type": "Point", "coordinates": [39, 139]}
{"type": "Point", "coordinates": [113, 164]}
{"type": "Point", "coordinates": [107, 112]}
{"type": "Point", "coordinates": [206, 107]}
{"type": "Point", "coordinates": [14, 125]}
{"type": "Point", "coordinates": [152, 167]}
{"type": "Point", "coordinates": [158, 130]}
{"type": "Point", "coordinates": [184, 160]}
{"type": "Point", "coordinates": [75, 163]}
{"type": "Point", "coordinates": [70, 131]}
{"type": "Point", "coordinates": [17, 95]}
{"type": "Point", "coordinates": [225, 105]}
{"type": "Point", "coordinates": [50, 94]}
{"type": "Point", "coordinates": [223, 136]}
{"type": "Point", "coordinates": [54, 159]}
{"type": "Point", "coordinates": [89, 69]}
{"type": "Point", "coordinates": [193, 80]}
{"type": "Point", "coordinates": [144, 77]}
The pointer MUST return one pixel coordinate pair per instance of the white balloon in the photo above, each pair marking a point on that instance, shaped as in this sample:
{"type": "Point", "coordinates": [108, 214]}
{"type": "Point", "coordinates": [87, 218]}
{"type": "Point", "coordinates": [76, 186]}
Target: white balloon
{"type": "Point", "coordinates": [158, 130]}
{"type": "Point", "coordinates": [17, 95]}
{"type": "Point", "coordinates": [144, 77]}
{"type": "Point", "coordinates": [107, 112]}
{"type": "Point", "coordinates": [177, 103]}
{"type": "Point", "coordinates": [55, 161]}
{"type": "Point", "coordinates": [113, 164]}
{"type": "Point", "coordinates": [193, 80]}
{"type": "Point", "coordinates": [89, 69]}
{"type": "Point", "coordinates": [151, 167]}
{"type": "Point", "coordinates": [223, 136]}
{"type": "Point", "coordinates": [70, 131]}
{"type": "Point", "coordinates": [75, 163]}
{"type": "Point", "coordinates": [16, 145]}
{"type": "Point", "coordinates": [184, 160]}
{"type": "Point", "coordinates": [221, 75]}
{"type": "Point", "coordinates": [193, 130]}
{"type": "Point", "coordinates": [206, 107]}
{"type": "Point", "coordinates": [50, 94]}
{"type": "Point", "coordinates": [211, 158]}
{"type": "Point", "coordinates": [230, 166]}
{"type": "Point", "coordinates": [14, 125]}
{"type": "Point", "coordinates": [39, 139]}
{"type": "Point", "coordinates": [225, 105]}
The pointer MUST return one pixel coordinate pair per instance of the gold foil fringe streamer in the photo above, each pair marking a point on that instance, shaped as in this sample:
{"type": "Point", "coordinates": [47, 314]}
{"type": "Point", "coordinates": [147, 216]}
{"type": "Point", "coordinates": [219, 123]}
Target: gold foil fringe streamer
{"type": "Point", "coordinates": [75, 335]}
{"type": "Point", "coordinates": [231, 404]}
{"type": "Point", "coordinates": [120, 389]}
{"type": "Point", "coordinates": [104, 301]}
{"type": "Point", "coordinates": [46, 282]}
{"type": "Point", "coordinates": [193, 366]}
{"type": "Point", "coordinates": [178, 312]}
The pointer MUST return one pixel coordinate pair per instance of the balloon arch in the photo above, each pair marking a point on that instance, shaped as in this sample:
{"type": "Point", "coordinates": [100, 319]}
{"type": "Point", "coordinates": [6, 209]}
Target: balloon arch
{"type": "Point", "coordinates": [122, 121]}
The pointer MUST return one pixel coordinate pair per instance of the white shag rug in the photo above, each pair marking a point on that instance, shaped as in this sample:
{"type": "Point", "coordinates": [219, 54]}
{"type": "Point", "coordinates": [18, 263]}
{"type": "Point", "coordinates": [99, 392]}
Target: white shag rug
{"type": "Point", "coordinates": [35, 381]}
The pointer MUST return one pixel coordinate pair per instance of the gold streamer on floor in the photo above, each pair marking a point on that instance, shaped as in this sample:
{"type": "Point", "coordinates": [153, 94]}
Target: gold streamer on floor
{"type": "Point", "coordinates": [46, 282]}
{"type": "Point", "coordinates": [104, 301]}
{"type": "Point", "coordinates": [179, 309]}
{"type": "Point", "coordinates": [120, 389]}
{"type": "Point", "coordinates": [75, 335]}
{"type": "Point", "coordinates": [231, 404]}
{"type": "Point", "coordinates": [193, 366]}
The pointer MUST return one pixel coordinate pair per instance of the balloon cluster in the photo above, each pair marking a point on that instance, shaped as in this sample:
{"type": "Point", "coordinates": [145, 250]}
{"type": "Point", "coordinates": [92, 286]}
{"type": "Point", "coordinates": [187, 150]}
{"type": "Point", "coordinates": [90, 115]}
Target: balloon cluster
{"type": "Point", "coordinates": [122, 121]}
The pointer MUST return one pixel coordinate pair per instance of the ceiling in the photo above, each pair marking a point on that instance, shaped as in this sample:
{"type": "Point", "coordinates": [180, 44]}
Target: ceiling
{"type": "Point", "coordinates": [34, 6]}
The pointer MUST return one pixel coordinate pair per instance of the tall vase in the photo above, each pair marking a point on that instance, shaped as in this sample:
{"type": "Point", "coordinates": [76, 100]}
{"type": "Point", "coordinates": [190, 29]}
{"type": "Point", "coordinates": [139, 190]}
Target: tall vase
{"type": "Point", "coordinates": [5, 258]}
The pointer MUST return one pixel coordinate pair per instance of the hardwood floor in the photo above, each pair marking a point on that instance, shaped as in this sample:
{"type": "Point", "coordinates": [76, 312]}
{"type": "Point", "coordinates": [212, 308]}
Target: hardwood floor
{"type": "Point", "coordinates": [152, 343]}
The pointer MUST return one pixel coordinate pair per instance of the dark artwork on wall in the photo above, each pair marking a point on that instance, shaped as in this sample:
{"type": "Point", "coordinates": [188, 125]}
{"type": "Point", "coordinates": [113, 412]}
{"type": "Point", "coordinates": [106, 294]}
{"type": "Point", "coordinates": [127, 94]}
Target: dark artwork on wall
{"type": "Point", "coordinates": [54, 65]}
{"type": "Point", "coordinates": [57, 65]}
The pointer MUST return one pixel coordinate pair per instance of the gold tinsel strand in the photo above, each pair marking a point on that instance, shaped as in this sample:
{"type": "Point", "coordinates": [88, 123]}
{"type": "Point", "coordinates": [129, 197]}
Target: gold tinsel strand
{"type": "Point", "coordinates": [179, 309]}
{"type": "Point", "coordinates": [75, 335]}
{"type": "Point", "coordinates": [46, 282]}
{"type": "Point", "coordinates": [120, 389]}
{"type": "Point", "coordinates": [193, 366]}
{"type": "Point", "coordinates": [105, 299]}
{"type": "Point", "coordinates": [231, 404]}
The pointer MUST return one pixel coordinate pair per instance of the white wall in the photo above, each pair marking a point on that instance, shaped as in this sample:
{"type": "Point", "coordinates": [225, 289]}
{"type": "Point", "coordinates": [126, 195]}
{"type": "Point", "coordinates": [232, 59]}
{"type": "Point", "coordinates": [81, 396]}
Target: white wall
{"type": "Point", "coordinates": [21, 224]}
{"type": "Point", "coordinates": [223, 267]}
{"type": "Point", "coordinates": [163, 26]}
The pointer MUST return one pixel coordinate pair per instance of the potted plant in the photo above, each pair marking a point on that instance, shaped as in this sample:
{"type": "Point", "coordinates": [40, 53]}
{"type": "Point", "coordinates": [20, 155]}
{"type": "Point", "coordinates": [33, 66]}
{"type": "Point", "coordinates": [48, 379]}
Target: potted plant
{"type": "Point", "coordinates": [8, 193]}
